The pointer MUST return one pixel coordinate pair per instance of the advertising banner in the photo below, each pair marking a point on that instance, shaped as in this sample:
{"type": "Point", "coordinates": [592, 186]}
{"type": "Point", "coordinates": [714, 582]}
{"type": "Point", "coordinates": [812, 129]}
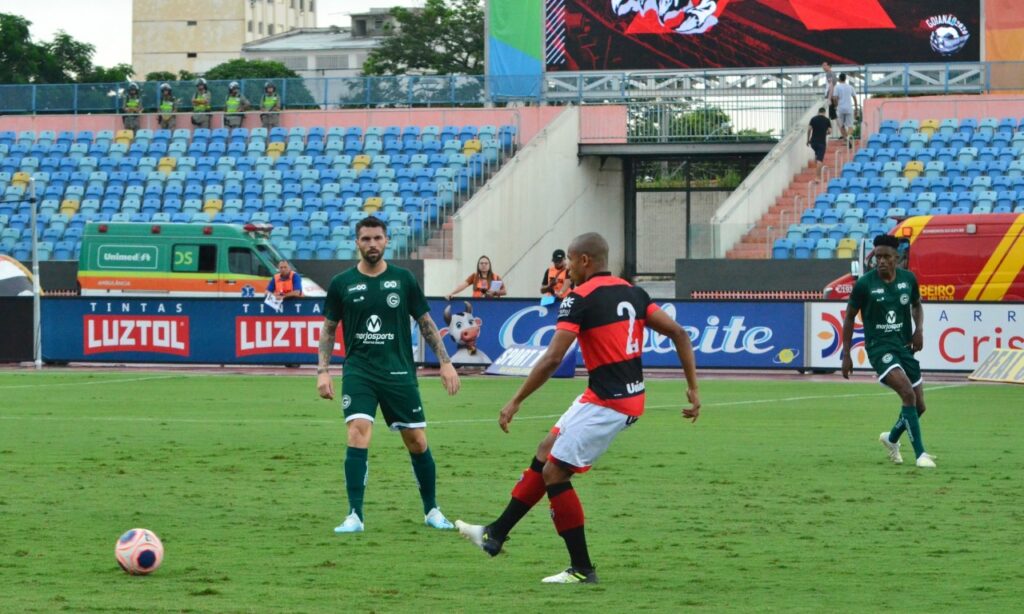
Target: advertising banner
{"type": "Point", "coordinates": [763, 335]}
{"type": "Point", "coordinates": [688, 34]}
{"type": "Point", "coordinates": [218, 331]}
{"type": "Point", "coordinates": [737, 334]}
{"type": "Point", "coordinates": [957, 337]}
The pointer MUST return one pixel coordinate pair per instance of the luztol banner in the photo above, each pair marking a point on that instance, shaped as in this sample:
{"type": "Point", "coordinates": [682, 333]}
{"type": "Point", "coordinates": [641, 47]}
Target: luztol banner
{"type": "Point", "coordinates": [764, 335]}
{"type": "Point", "coordinates": [678, 34]}
{"type": "Point", "coordinates": [957, 337]}
{"type": "Point", "coordinates": [218, 331]}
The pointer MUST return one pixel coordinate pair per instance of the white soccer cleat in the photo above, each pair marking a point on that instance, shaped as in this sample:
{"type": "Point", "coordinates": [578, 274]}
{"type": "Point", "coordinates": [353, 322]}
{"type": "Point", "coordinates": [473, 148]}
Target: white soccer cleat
{"type": "Point", "coordinates": [351, 524]}
{"type": "Point", "coordinates": [572, 576]}
{"type": "Point", "coordinates": [472, 532]}
{"type": "Point", "coordinates": [436, 519]}
{"type": "Point", "coordinates": [893, 448]}
{"type": "Point", "coordinates": [925, 460]}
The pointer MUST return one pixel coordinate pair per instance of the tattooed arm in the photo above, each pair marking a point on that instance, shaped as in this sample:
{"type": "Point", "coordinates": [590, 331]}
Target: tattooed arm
{"type": "Point", "coordinates": [432, 337]}
{"type": "Point", "coordinates": [328, 333]}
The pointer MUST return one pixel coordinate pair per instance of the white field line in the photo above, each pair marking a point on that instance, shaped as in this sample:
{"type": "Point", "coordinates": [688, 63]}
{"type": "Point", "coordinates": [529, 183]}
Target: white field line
{"type": "Point", "coordinates": [241, 421]}
{"type": "Point", "coordinates": [90, 383]}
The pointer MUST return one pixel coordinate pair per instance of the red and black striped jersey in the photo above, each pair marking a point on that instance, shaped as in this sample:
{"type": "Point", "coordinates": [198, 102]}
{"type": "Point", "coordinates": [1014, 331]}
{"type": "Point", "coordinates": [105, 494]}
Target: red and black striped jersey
{"type": "Point", "coordinates": [608, 315]}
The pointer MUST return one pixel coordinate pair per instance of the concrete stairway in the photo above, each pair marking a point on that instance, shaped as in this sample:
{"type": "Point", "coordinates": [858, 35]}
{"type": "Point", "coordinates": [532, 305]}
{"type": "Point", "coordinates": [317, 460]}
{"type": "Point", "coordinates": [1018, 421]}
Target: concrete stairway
{"type": "Point", "coordinates": [757, 243]}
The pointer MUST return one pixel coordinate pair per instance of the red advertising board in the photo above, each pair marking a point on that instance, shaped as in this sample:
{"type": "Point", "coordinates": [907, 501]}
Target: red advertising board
{"type": "Point", "coordinates": [681, 34]}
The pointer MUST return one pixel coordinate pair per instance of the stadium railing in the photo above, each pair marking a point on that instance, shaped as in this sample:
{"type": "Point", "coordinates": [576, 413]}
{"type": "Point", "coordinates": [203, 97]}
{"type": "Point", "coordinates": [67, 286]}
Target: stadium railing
{"type": "Point", "coordinates": [552, 87]}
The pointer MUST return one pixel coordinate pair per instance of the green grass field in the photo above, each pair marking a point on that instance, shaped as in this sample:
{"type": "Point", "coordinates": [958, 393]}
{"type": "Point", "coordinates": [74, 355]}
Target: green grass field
{"type": "Point", "coordinates": [779, 499]}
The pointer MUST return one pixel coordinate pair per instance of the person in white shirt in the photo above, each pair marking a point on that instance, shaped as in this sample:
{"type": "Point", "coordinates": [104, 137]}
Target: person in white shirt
{"type": "Point", "coordinates": [847, 108]}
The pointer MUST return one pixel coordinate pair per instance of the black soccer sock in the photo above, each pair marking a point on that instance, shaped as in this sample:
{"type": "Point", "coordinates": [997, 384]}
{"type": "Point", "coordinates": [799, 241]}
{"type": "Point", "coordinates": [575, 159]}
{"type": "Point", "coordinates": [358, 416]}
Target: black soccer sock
{"type": "Point", "coordinates": [526, 493]}
{"type": "Point", "coordinates": [567, 514]}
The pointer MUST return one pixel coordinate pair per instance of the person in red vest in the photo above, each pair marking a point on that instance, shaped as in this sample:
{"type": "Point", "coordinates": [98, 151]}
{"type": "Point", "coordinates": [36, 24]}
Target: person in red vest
{"type": "Point", "coordinates": [556, 280]}
{"type": "Point", "coordinates": [286, 284]}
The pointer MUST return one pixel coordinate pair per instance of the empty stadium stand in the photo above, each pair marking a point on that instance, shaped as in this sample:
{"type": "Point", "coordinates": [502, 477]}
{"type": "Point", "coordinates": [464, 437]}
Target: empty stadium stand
{"type": "Point", "coordinates": [313, 184]}
{"type": "Point", "coordinates": [908, 168]}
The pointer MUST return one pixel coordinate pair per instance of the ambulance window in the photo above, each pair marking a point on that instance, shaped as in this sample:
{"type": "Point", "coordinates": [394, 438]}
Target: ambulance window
{"type": "Point", "coordinates": [243, 261]}
{"type": "Point", "coordinates": [903, 254]}
{"type": "Point", "coordinates": [207, 258]}
{"type": "Point", "coordinates": [194, 258]}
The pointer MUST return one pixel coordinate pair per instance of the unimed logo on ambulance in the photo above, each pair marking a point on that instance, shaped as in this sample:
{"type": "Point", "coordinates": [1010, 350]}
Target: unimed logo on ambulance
{"type": "Point", "coordinates": [280, 335]}
{"type": "Point", "coordinates": [127, 333]}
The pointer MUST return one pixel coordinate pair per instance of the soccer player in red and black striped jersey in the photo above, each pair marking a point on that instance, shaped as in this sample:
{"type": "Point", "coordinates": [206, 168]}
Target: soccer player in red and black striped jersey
{"type": "Point", "coordinates": [607, 316]}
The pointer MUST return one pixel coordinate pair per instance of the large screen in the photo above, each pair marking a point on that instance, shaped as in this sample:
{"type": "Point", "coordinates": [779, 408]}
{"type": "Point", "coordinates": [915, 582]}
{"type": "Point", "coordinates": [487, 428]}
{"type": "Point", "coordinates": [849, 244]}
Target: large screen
{"type": "Point", "coordinates": [675, 34]}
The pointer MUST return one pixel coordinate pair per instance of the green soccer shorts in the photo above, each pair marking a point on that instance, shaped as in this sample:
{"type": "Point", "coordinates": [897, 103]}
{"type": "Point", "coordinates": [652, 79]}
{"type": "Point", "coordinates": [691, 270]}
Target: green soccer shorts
{"type": "Point", "coordinates": [399, 401]}
{"type": "Point", "coordinates": [885, 359]}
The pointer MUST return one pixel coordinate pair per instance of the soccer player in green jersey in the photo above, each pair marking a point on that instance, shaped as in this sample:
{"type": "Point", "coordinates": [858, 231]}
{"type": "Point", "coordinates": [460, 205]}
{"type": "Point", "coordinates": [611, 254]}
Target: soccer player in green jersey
{"type": "Point", "coordinates": [374, 301]}
{"type": "Point", "coordinates": [889, 301]}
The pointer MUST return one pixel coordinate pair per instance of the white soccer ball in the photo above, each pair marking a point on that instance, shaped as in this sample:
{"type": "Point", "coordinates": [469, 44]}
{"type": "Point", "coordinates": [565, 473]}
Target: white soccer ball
{"type": "Point", "coordinates": [139, 552]}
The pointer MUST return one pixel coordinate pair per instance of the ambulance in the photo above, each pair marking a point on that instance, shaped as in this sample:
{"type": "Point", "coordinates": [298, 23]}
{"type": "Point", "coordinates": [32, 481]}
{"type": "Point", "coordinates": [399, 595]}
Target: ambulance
{"type": "Point", "coordinates": [976, 257]}
{"type": "Point", "coordinates": [186, 260]}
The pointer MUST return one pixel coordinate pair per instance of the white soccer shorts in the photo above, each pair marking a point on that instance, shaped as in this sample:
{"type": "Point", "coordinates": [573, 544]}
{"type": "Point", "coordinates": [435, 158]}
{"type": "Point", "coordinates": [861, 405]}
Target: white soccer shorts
{"type": "Point", "coordinates": [584, 433]}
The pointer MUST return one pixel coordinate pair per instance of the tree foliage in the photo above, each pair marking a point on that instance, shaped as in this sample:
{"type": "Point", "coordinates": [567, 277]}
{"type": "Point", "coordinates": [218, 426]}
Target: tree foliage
{"type": "Point", "coordinates": [249, 69]}
{"type": "Point", "coordinates": [62, 60]}
{"type": "Point", "coordinates": [445, 37]}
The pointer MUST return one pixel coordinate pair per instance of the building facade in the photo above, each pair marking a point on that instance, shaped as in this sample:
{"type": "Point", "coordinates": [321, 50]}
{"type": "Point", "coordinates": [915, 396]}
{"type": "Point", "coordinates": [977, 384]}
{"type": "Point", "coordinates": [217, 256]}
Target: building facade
{"type": "Point", "coordinates": [325, 52]}
{"type": "Point", "coordinates": [196, 35]}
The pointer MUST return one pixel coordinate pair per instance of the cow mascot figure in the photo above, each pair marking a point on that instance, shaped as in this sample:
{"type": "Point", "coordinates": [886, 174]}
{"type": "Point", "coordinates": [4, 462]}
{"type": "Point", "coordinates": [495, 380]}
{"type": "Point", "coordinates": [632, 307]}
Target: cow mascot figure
{"type": "Point", "coordinates": [464, 329]}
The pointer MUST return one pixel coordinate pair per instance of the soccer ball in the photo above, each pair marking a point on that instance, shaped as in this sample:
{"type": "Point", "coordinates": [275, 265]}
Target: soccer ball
{"type": "Point", "coordinates": [139, 552]}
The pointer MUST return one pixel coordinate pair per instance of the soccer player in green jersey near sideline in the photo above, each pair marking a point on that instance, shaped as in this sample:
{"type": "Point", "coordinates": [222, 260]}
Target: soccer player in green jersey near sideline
{"type": "Point", "coordinates": [889, 301]}
{"type": "Point", "coordinates": [374, 301]}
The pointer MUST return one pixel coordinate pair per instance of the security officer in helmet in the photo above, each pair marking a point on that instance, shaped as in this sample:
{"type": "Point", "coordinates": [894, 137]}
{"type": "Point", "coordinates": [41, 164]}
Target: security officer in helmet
{"type": "Point", "coordinates": [201, 105]}
{"type": "Point", "coordinates": [132, 108]}
{"type": "Point", "coordinates": [166, 108]}
{"type": "Point", "coordinates": [235, 106]}
{"type": "Point", "coordinates": [270, 106]}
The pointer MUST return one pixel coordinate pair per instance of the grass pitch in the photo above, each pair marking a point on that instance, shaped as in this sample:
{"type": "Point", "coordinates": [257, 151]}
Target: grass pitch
{"type": "Point", "coordinates": [779, 499]}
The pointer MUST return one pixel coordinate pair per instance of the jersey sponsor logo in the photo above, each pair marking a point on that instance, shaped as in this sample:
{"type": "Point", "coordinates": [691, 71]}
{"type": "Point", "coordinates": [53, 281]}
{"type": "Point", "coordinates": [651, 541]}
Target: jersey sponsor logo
{"type": "Point", "coordinates": [391, 284]}
{"type": "Point", "coordinates": [285, 335]}
{"type": "Point", "coordinates": [154, 334]}
{"type": "Point", "coordinates": [566, 306]}
{"type": "Point", "coordinates": [373, 336]}
{"type": "Point", "coordinates": [393, 300]}
{"type": "Point", "coordinates": [356, 288]}
{"type": "Point", "coordinates": [635, 387]}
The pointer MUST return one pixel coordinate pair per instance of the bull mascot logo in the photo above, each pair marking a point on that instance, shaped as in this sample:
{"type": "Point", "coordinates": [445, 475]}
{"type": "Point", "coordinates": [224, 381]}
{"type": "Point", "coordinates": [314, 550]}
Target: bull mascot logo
{"type": "Point", "coordinates": [464, 329]}
{"type": "Point", "coordinates": [679, 16]}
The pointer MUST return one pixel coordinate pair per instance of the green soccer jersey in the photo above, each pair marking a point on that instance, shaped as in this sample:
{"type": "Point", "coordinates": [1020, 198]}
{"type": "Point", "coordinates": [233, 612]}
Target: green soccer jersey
{"type": "Point", "coordinates": [374, 314]}
{"type": "Point", "coordinates": [885, 308]}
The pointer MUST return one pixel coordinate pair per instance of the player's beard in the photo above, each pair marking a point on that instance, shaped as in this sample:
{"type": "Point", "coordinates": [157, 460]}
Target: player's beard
{"type": "Point", "coordinates": [372, 257]}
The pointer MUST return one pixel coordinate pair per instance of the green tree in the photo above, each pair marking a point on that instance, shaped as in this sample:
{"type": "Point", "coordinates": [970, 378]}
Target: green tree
{"type": "Point", "coordinates": [114, 74]}
{"type": "Point", "coordinates": [73, 58]}
{"type": "Point", "coordinates": [21, 60]}
{"type": "Point", "coordinates": [235, 70]}
{"type": "Point", "coordinates": [161, 75]}
{"type": "Point", "coordinates": [445, 37]}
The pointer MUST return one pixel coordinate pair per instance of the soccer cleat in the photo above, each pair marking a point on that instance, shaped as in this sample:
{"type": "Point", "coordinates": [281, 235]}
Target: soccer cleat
{"type": "Point", "coordinates": [351, 524]}
{"type": "Point", "coordinates": [893, 448]}
{"type": "Point", "coordinates": [925, 460]}
{"type": "Point", "coordinates": [436, 519]}
{"type": "Point", "coordinates": [480, 536]}
{"type": "Point", "coordinates": [572, 576]}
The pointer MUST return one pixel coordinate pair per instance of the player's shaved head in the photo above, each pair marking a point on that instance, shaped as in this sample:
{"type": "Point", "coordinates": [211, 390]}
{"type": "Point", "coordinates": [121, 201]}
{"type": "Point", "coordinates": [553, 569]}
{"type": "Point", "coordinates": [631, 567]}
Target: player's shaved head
{"type": "Point", "coordinates": [593, 245]}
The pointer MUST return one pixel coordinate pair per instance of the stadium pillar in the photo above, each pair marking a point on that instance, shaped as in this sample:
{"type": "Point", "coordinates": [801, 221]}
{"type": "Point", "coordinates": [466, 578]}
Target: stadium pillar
{"type": "Point", "coordinates": [629, 214]}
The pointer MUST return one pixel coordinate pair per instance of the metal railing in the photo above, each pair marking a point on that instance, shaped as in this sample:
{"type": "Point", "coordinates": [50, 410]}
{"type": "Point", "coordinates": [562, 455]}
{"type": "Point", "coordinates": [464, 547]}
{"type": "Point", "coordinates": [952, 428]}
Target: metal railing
{"type": "Point", "coordinates": [551, 87]}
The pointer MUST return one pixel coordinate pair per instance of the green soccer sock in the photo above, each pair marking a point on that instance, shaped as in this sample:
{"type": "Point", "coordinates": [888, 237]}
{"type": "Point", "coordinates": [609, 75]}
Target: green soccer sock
{"type": "Point", "coordinates": [357, 472]}
{"type": "Point", "coordinates": [897, 429]}
{"type": "Point", "coordinates": [909, 415]}
{"type": "Point", "coordinates": [426, 478]}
